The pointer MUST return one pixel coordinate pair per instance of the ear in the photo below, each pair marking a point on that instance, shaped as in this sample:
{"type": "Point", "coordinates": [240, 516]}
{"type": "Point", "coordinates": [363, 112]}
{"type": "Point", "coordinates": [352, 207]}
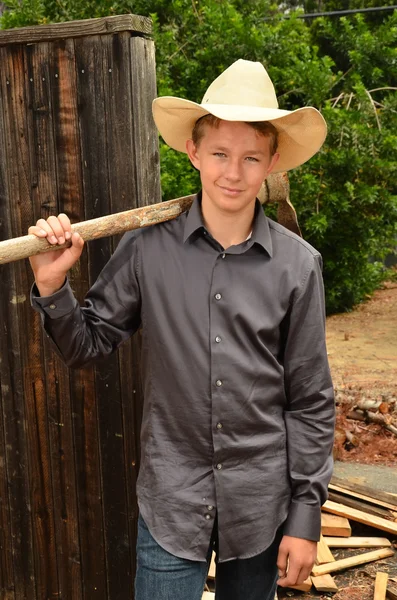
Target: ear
{"type": "Point", "coordinates": [192, 152]}
{"type": "Point", "coordinates": [273, 163]}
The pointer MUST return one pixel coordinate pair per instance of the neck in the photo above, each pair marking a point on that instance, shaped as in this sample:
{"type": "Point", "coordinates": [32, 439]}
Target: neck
{"type": "Point", "coordinates": [228, 228]}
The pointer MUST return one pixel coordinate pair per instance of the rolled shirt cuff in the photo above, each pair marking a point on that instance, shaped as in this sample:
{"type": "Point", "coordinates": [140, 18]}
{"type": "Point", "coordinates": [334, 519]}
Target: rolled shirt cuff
{"type": "Point", "coordinates": [303, 521]}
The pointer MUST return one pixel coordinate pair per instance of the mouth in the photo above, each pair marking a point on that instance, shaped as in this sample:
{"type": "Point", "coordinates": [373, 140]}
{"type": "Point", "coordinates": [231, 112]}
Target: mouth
{"type": "Point", "coordinates": [230, 191]}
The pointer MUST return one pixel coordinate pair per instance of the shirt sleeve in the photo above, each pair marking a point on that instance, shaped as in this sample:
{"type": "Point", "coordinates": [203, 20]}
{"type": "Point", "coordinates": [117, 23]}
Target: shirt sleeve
{"type": "Point", "coordinates": [110, 315]}
{"type": "Point", "coordinates": [310, 414]}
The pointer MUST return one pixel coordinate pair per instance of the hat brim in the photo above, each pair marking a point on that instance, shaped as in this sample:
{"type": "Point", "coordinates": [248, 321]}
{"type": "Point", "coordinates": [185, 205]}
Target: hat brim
{"type": "Point", "coordinates": [301, 132]}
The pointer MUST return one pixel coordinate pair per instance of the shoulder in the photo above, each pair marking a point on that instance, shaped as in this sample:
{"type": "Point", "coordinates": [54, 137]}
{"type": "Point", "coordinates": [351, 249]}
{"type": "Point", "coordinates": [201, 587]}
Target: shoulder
{"type": "Point", "coordinates": [283, 237]}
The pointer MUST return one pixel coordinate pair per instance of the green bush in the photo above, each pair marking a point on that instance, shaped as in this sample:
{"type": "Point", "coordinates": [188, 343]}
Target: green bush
{"type": "Point", "coordinates": [346, 196]}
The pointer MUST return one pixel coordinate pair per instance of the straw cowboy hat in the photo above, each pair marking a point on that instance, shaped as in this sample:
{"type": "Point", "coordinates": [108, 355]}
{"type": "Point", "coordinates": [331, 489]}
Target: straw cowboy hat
{"type": "Point", "coordinates": [244, 92]}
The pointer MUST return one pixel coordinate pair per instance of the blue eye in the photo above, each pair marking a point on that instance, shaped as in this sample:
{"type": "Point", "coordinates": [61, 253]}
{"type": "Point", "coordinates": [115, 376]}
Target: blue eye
{"type": "Point", "coordinates": [252, 159]}
{"type": "Point", "coordinates": [220, 154]}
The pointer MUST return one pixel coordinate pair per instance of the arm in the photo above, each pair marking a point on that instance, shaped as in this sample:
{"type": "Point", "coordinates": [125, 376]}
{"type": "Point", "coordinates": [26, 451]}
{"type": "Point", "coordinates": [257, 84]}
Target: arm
{"type": "Point", "coordinates": [309, 420]}
{"type": "Point", "coordinates": [112, 306]}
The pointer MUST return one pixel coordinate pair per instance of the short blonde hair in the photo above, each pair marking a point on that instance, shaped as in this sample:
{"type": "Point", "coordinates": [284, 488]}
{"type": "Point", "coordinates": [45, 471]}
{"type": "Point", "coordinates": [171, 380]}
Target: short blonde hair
{"type": "Point", "coordinates": [264, 128]}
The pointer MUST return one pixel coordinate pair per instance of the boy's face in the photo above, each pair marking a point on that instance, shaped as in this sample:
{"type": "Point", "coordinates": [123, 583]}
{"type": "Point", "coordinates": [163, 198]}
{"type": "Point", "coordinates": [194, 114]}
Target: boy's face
{"type": "Point", "coordinates": [233, 160]}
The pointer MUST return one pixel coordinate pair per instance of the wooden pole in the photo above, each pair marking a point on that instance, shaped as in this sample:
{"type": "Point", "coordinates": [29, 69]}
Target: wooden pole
{"type": "Point", "coordinates": [29, 245]}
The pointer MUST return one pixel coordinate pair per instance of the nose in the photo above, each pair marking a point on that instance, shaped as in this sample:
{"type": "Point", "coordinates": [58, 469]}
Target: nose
{"type": "Point", "coordinates": [233, 170]}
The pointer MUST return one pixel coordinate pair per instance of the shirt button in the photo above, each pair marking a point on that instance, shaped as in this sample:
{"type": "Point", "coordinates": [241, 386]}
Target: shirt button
{"type": "Point", "coordinates": [218, 383]}
{"type": "Point", "coordinates": [52, 306]}
{"type": "Point", "coordinates": [207, 516]}
{"type": "Point", "coordinates": [218, 296]}
{"type": "Point", "coordinates": [219, 466]}
{"type": "Point", "coordinates": [219, 425]}
{"type": "Point", "coordinates": [223, 255]}
{"type": "Point", "coordinates": [218, 339]}
{"type": "Point", "coordinates": [210, 507]}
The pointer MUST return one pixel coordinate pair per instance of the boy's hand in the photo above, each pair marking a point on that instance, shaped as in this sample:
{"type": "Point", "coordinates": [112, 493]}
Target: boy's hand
{"type": "Point", "coordinates": [50, 268]}
{"type": "Point", "coordinates": [295, 561]}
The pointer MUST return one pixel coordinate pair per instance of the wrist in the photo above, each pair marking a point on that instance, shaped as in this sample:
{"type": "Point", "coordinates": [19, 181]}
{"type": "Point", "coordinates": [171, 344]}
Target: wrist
{"type": "Point", "coordinates": [48, 289]}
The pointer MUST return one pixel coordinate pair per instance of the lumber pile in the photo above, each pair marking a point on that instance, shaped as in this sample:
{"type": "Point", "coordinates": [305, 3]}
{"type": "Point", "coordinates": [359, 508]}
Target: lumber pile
{"type": "Point", "coordinates": [349, 502]}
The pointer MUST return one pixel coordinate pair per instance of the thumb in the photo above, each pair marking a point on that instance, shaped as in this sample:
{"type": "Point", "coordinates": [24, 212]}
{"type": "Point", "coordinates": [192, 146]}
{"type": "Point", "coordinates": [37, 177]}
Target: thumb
{"type": "Point", "coordinates": [77, 246]}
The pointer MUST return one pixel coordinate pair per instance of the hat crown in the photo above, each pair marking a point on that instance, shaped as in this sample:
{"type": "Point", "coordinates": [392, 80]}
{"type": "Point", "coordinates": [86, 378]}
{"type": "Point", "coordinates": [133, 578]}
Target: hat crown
{"type": "Point", "coordinates": [244, 83]}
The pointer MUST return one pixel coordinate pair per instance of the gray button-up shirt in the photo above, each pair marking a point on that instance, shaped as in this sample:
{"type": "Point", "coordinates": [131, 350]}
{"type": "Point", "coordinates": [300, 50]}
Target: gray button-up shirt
{"type": "Point", "coordinates": [238, 400]}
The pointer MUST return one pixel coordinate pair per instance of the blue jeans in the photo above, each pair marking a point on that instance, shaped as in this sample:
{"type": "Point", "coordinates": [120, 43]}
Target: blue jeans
{"type": "Point", "coordinates": [163, 576]}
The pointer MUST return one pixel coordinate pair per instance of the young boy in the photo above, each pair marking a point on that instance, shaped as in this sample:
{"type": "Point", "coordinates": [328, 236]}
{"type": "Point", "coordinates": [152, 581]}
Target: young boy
{"type": "Point", "coordinates": [238, 415]}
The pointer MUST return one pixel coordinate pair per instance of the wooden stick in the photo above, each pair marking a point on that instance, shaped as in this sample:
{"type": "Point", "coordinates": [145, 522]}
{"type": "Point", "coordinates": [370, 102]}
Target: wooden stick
{"type": "Point", "coordinates": [380, 585]}
{"type": "Point", "coordinates": [360, 516]}
{"type": "Point", "coordinates": [352, 561]}
{"type": "Point", "coordinates": [29, 245]}
{"type": "Point", "coordinates": [324, 583]}
{"type": "Point", "coordinates": [357, 542]}
{"type": "Point", "coordinates": [324, 554]}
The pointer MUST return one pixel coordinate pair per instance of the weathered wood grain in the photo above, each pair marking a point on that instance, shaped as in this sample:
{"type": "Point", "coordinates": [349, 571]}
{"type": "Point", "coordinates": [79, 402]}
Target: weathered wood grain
{"type": "Point", "coordinates": [59, 402]}
{"type": "Point", "coordinates": [43, 185]}
{"type": "Point", "coordinates": [92, 133]}
{"type": "Point", "coordinates": [75, 29]}
{"type": "Point", "coordinates": [364, 492]}
{"type": "Point", "coordinates": [145, 132]}
{"type": "Point", "coordinates": [18, 465]}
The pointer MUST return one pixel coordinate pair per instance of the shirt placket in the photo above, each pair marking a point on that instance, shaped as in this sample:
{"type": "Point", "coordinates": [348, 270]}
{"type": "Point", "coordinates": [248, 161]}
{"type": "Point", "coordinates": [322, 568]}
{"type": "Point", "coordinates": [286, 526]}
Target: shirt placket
{"type": "Point", "coordinates": [218, 342]}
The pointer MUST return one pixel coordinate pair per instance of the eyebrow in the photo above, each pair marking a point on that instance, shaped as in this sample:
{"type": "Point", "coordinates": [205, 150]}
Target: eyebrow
{"type": "Point", "coordinates": [223, 149]}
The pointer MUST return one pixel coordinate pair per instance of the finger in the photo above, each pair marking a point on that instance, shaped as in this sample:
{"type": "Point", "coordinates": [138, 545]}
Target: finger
{"type": "Point", "coordinates": [57, 228]}
{"type": "Point", "coordinates": [66, 225]}
{"type": "Point", "coordinates": [304, 574]}
{"type": "Point", "coordinates": [77, 245]}
{"type": "Point", "coordinates": [37, 231]}
{"type": "Point", "coordinates": [282, 561]}
{"type": "Point", "coordinates": [291, 578]}
{"type": "Point", "coordinates": [46, 227]}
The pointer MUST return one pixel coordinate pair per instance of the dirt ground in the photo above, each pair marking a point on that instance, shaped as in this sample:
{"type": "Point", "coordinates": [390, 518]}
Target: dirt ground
{"type": "Point", "coordinates": [362, 351]}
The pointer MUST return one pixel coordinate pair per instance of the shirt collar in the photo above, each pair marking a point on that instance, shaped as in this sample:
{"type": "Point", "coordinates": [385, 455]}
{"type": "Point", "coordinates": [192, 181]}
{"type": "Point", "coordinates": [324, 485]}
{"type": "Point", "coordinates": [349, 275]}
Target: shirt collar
{"type": "Point", "coordinates": [260, 231]}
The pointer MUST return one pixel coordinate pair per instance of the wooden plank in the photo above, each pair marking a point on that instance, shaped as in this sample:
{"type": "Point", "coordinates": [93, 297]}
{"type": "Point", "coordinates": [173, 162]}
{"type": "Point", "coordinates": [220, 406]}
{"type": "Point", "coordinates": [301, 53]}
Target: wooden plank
{"type": "Point", "coordinates": [324, 583]}
{"type": "Point", "coordinates": [381, 580]}
{"type": "Point", "coordinates": [92, 134]}
{"type": "Point", "coordinates": [212, 568]}
{"type": "Point", "coordinates": [335, 525]}
{"type": "Point", "coordinates": [208, 596]}
{"type": "Point", "coordinates": [369, 499]}
{"type": "Point", "coordinates": [43, 184]}
{"type": "Point", "coordinates": [306, 586]}
{"type": "Point", "coordinates": [69, 200]}
{"type": "Point", "coordinates": [361, 517]}
{"type": "Point", "coordinates": [17, 453]}
{"type": "Point", "coordinates": [386, 499]}
{"type": "Point", "coordinates": [357, 542]}
{"type": "Point", "coordinates": [6, 544]}
{"type": "Point", "coordinates": [145, 133]}
{"type": "Point", "coordinates": [359, 505]}
{"type": "Point", "coordinates": [324, 554]}
{"type": "Point", "coordinates": [119, 115]}
{"type": "Point", "coordinates": [352, 561]}
{"type": "Point", "coordinates": [75, 29]}
{"type": "Point", "coordinates": [391, 594]}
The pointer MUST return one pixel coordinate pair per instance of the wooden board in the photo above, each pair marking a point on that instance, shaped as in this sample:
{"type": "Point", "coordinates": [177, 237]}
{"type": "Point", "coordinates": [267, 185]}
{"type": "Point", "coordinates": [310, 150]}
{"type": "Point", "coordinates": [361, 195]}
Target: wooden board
{"type": "Point", "coordinates": [208, 596]}
{"type": "Point", "coordinates": [75, 29]}
{"type": "Point", "coordinates": [357, 542]}
{"type": "Point", "coordinates": [212, 569]}
{"type": "Point", "coordinates": [382, 503]}
{"type": "Point", "coordinates": [352, 561]}
{"type": "Point", "coordinates": [360, 516]}
{"type": "Point", "coordinates": [306, 586]}
{"type": "Point", "coordinates": [380, 585]}
{"type": "Point", "coordinates": [335, 525]}
{"type": "Point", "coordinates": [324, 583]}
{"type": "Point", "coordinates": [324, 554]}
{"type": "Point", "coordinates": [362, 491]}
{"type": "Point", "coordinates": [351, 502]}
